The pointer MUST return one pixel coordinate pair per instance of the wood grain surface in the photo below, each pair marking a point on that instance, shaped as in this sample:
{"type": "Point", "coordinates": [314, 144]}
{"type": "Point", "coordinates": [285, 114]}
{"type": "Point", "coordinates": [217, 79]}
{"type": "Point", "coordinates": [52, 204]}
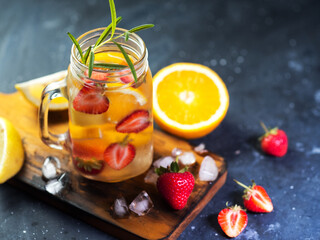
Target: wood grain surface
{"type": "Point", "coordinates": [90, 200]}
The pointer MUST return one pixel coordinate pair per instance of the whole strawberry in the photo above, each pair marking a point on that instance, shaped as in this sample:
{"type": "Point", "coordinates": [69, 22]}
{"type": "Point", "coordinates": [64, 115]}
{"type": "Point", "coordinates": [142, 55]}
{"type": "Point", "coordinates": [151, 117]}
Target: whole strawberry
{"type": "Point", "coordinates": [233, 220]}
{"type": "Point", "coordinates": [274, 141]}
{"type": "Point", "coordinates": [175, 185]}
{"type": "Point", "coordinates": [256, 199]}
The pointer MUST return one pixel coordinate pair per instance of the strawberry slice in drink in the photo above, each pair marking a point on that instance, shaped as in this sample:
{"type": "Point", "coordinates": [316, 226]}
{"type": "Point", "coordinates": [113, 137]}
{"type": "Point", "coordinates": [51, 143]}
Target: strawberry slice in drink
{"type": "Point", "coordinates": [134, 123]}
{"type": "Point", "coordinates": [119, 155]}
{"type": "Point", "coordinates": [128, 78]}
{"type": "Point", "coordinates": [97, 75]}
{"type": "Point", "coordinates": [89, 167]}
{"type": "Point", "coordinates": [91, 100]}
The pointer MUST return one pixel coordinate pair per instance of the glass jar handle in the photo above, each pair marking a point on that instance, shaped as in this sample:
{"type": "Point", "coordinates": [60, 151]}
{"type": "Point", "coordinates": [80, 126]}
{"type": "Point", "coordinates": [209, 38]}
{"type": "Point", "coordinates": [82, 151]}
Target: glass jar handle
{"type": "Point", "coordinates": [51, 91]}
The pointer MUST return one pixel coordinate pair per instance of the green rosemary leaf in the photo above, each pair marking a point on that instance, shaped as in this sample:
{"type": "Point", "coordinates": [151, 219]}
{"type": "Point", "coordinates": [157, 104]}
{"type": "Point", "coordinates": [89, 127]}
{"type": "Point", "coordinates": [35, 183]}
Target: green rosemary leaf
{"type": "Point", "coordinates": [86, 55]}
{"type": "Point", "coordinates": [130, 64]}
{"type": "Point", "coordinates": [75, 42]}
{"type": "Point", "coordinates": [103, 35]}
{"type": "Point", "coordinates": [109, 65]}
{"type": "Point", "coordinates": [141, 27]}
{"type": "Point", "coordinates": [126, 35]}
{"type": "Point", "coordinates": [106, 32]}
{"type": "Point", "coordinates": [91, 61]}
{"type": "Point", "coordinates": [113, 17]}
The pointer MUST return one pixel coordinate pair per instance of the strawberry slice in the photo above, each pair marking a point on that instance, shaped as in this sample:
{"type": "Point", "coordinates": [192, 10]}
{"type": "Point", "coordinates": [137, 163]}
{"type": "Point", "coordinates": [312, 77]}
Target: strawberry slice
{"type": "Point", "coordinates": [89, 167]}
{"type": "Point", "coordinates": [119, 155]}
{"type": "Point", "coordinates": [97, 75]}
{"type": "Point", "coordinates": [232, 220]}
{"type": "Point", "coordinates": [127, 79]}
{"type": "Point", "coordinates": [256, 199]}
{"type": "Point", "coordinates": [134, 123]}
{"type": "Point", "coordinates": [91, 100]}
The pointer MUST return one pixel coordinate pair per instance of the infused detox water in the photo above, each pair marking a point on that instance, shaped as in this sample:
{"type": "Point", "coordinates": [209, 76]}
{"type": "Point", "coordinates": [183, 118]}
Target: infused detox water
{"type": "Point", "coordinates": [110, 119]}
{"type": "Point", "coordinates": [109, 93]}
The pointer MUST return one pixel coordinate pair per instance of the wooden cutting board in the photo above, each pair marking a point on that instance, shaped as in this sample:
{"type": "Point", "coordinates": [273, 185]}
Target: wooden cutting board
{"type": "Point", "coordinates": [91, 200]}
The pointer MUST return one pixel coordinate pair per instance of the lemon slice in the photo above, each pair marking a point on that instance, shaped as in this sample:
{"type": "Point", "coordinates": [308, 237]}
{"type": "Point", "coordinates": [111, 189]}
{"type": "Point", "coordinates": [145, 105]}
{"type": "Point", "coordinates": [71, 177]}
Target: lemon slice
{"type": "Point", "coordinates": [189, 100]}
{"type": "Point", "coordinates": [123, 102]}
{"type": "Point", "coordinates": [32, 90]}
{"type": "Point", "coordinates": [140, 98]}
{"type": "Point", "coordinates": [11, 150]}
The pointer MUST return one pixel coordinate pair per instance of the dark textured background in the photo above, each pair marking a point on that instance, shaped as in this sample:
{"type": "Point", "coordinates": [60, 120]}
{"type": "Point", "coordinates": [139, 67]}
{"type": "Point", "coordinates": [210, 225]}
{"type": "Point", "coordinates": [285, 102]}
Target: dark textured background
{"type": "Point", "coordinates": [267, 52]}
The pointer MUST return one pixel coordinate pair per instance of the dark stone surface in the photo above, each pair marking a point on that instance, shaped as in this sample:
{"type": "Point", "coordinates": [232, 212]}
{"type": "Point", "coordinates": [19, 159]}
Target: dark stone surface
{"type": "Point", "coordinates": [267, 52]}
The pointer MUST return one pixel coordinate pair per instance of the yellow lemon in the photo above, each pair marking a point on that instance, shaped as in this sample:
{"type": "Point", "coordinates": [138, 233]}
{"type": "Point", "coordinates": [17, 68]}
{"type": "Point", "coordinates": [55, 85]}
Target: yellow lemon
{"type": "Point", "coordinates": [32, 90]}
{"type": "Point", "coordinates": [11, 150]}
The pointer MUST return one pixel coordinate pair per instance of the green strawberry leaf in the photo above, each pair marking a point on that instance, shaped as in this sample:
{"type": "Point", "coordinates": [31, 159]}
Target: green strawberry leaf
{"type": "Point", "coordinates": [160, 170]}
{"type": "Point", "coordinates": [174, 167]}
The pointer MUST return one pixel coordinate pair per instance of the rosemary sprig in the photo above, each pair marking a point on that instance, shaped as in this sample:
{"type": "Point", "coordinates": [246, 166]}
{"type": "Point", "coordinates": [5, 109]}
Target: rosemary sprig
{"type": "Point", "coordinates": [113, 17]}
{"type": "Point", "coordinates": [91, 61]}
{"type": "Point", "coordinates": [86, 55]}
{"type": "Point", "coordinates": [75, 42]}
{"type": "Point", "coordinates": [108, 36]}
{"type": "Point", "coordinates": [106, 32]}
{"type": "Point", "coordinates": [109, 66]}
{"type": "Point", "coordinates": [130, 64]}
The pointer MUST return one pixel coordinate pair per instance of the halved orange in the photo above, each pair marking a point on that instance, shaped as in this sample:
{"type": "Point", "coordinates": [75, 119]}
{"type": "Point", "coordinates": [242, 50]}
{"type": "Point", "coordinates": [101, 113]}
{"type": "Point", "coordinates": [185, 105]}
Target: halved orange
{"type": "Point", "coordinates": [189, 100]}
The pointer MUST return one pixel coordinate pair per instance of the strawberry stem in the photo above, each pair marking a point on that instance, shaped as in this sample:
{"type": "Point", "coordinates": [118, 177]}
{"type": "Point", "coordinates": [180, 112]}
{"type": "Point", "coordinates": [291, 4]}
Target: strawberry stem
{"type": "Point", "coordinates": [125, 140]}
{"type": "Point", "coordinates": [242, 185]}
{"type": "Point", "coordinates": [264, 127]}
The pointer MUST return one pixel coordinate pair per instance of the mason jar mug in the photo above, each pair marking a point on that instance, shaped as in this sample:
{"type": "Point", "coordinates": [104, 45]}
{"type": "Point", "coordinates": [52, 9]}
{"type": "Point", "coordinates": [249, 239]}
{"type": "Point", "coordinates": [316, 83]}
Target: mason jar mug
{"type": "Point", "coordinates": [110, 125]}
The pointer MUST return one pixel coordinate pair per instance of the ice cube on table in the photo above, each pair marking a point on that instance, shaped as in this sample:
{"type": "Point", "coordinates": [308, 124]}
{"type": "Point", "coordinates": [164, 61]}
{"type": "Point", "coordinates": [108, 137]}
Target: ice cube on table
{"type": "Point", "coordinates": [142, 204]}
{"type": "Point", "coordinates": [208, 169]}
{"type": "Point", "coordinates": [55, 186]}
{"type": "Point", "coordinates": [163, 162]}
{"type": "Point", "coordinates": [176, 152]}
{"type": "Point", "coordinates": [187, 158]}
{"type": "Point", "coordinates": [151, 177]}
{"type": "Point", "coordinates": [50, 167]}
{"type": "Point", "coordinates": [120, 208]}
{"type": "Point", "coordinates": [201, 148]}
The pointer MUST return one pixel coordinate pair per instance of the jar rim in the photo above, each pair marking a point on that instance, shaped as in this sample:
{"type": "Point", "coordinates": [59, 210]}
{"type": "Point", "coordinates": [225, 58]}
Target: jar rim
{"type": "Point", "coordinates": [121, 72]}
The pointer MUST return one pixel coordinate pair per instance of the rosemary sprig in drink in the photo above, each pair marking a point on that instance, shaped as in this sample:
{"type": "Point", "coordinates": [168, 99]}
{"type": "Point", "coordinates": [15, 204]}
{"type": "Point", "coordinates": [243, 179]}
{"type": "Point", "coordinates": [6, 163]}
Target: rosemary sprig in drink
{"type": "Point", "coordinates": [107, 35]}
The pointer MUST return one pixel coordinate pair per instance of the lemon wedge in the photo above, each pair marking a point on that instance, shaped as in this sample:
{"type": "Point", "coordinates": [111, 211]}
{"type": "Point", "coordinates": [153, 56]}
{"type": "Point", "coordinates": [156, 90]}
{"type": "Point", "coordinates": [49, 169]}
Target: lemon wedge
{"type": "Point", "coordinates": [31, 90]}
{"type": "Point", "coordinates": [11, 151]}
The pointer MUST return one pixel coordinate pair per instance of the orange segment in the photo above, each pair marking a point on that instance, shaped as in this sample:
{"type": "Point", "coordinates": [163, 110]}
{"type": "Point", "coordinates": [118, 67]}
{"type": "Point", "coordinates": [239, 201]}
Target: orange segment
{"type": "Point", "coordinates": [111, 57]}
{"type": "Point", "coordinates": [190, 100]}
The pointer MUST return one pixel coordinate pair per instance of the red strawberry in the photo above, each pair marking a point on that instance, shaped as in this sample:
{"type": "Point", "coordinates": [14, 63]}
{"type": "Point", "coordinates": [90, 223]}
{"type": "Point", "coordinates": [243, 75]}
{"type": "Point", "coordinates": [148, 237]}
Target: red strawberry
{"type": "Point", "coordinates": [134, 123]}
{"type": "Point", "coordinates": [128, 78]}
{"type": "Point", "coordinates": [119, 155]}
{"type": "Point", "coordinates": [256, 199]}
{"type": "Point", "coordinates": [97, 75]}
{"type": "Point", "coordinates": [91, 100]}
{"type": "Point", "coordinates": [175, 187]}
{"type": "Point", "coordinates": [89, 167]}
{"type": "Point", "coordinates": [233, 220]}
{"type": "Point", "coordinates": [274, 141]}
